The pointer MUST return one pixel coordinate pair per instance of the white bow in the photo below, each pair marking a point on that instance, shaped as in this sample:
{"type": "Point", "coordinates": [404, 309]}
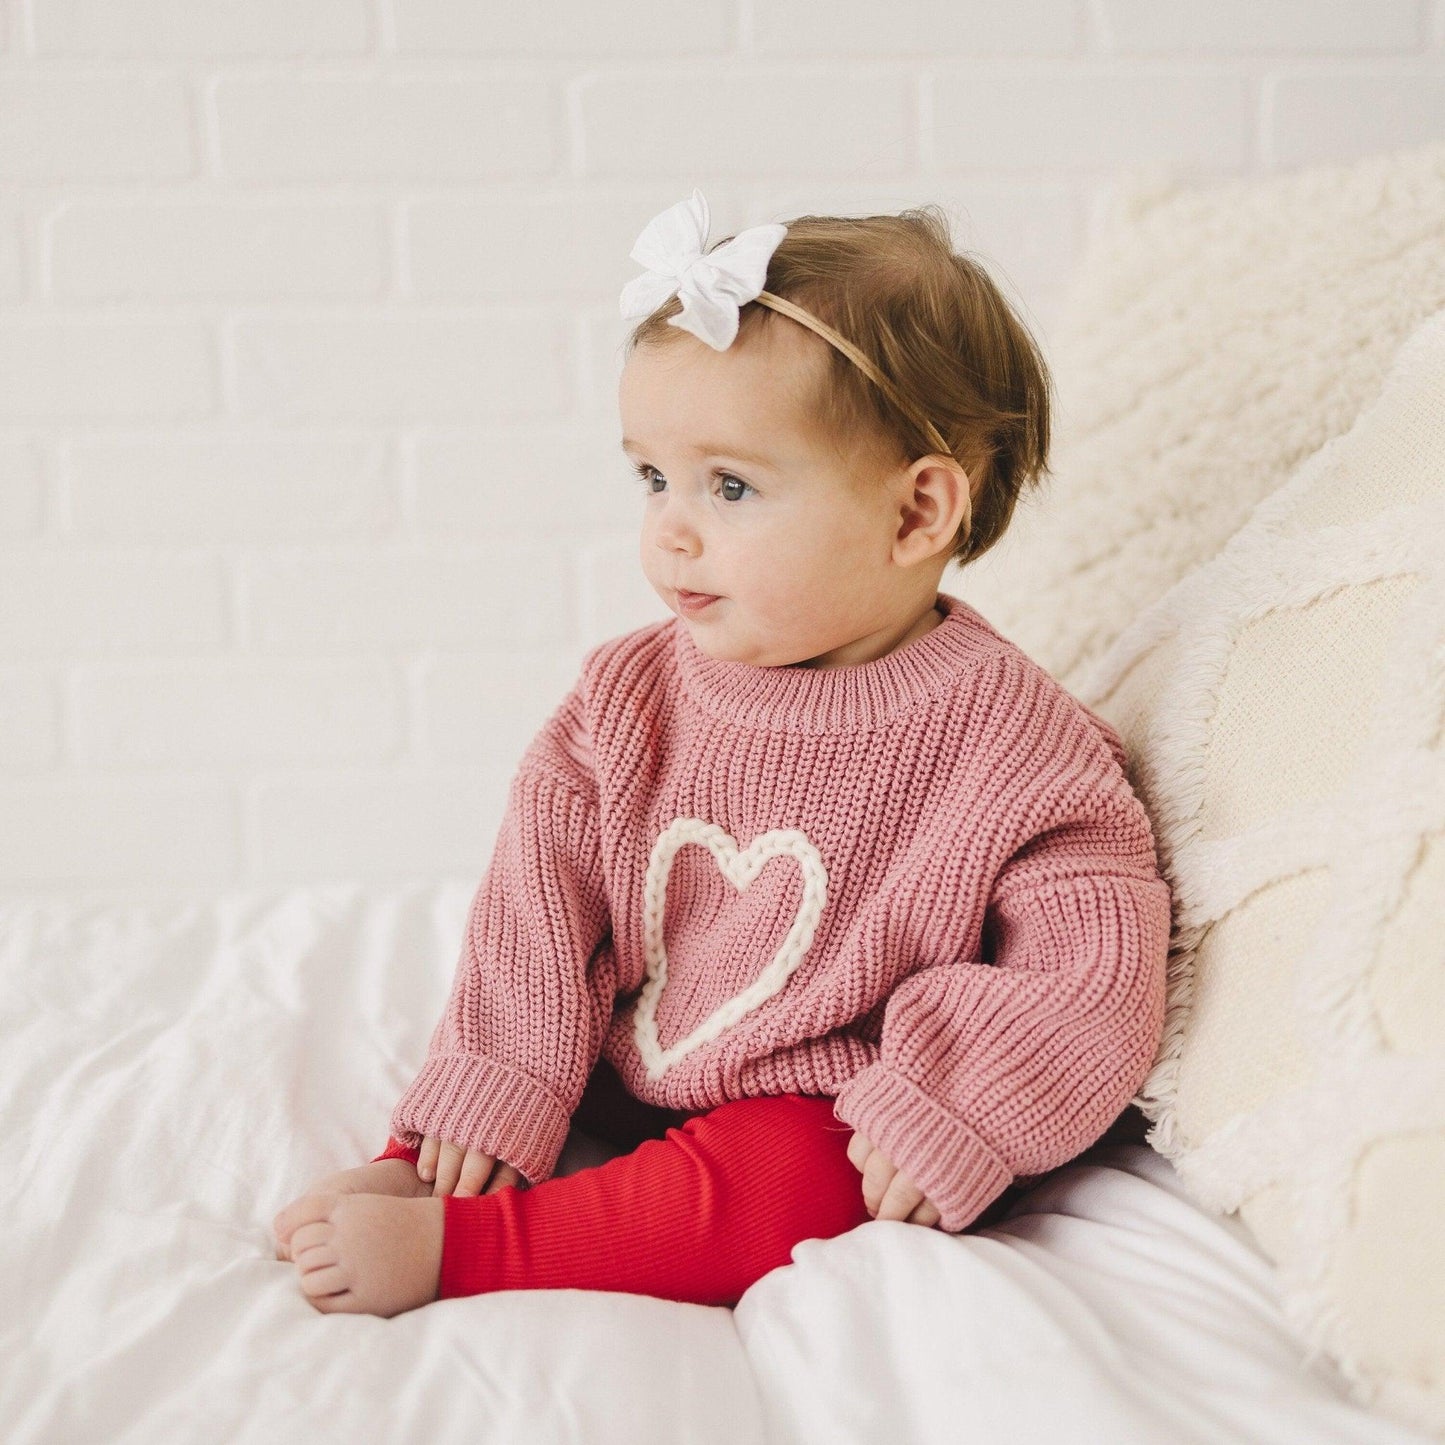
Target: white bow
{"type": "Point", "coordinates": [713, 286]}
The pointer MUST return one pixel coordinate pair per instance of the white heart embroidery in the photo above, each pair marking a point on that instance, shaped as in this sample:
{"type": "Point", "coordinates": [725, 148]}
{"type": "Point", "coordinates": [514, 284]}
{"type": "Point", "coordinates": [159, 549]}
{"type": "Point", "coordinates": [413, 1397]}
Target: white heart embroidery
{"type": "Point", "coordinates": [739, 868]}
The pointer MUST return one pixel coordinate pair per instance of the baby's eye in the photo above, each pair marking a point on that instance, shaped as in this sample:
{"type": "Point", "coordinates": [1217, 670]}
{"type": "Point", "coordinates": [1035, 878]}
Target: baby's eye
{"type": "Point", "coordinates": [735, 481]}
{"type": "Point", "coordinates": [648, 475]}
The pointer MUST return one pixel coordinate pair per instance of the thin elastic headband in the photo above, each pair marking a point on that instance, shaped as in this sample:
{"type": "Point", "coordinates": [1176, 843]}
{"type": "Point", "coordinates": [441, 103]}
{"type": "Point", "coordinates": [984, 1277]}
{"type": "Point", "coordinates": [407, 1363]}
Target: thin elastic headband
{"type": "Point", "coordinates": [806, 318]}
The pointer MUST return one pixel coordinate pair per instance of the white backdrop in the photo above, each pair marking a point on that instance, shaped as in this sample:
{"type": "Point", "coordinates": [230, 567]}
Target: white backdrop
{"type": "Point", "coordinates": [310, 498]}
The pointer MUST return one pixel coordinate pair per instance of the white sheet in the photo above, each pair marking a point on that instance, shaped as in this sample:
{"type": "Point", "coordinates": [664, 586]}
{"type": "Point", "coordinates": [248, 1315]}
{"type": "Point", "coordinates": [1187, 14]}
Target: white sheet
{"type": "Point", "coordinates": [172, 1073]}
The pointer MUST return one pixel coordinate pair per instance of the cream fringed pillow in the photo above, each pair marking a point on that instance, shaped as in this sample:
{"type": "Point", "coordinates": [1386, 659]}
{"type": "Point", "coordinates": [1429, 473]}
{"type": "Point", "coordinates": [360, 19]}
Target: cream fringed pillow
{"type": "Point", "coordinates": [1213, 338]}
{"type": "Point", "coordinates": [1283, 707]}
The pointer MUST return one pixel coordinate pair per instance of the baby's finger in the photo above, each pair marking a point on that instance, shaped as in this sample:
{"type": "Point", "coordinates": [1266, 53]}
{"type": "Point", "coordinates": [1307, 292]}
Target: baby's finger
{"type": "Point", "coordinates": [878, 1173]}
{"type": "Point", "coordinates": [426, 1162]}
{"type": "Point", "coordinates": [899, 1199]}
{"type": "Point", "coordinates": [449, 1167]}
{"type": "Point", "coordinates": [858, 1151]}
{"type": "Point", "coordinates": [476, 1169]}
{"type": "Point", "coordinates": [925, 1213]}
{"type": "Point", "coordinates": [505, 1175]}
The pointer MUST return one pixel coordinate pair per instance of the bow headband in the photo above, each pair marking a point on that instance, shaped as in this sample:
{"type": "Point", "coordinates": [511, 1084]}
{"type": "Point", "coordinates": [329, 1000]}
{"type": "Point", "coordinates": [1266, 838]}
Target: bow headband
{"type": "Point", "coordinates": [714, 285]}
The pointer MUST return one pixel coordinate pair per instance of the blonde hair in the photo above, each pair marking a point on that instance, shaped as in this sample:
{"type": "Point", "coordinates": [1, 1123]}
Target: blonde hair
{"type": "Point", "coordinates": [937, 327]}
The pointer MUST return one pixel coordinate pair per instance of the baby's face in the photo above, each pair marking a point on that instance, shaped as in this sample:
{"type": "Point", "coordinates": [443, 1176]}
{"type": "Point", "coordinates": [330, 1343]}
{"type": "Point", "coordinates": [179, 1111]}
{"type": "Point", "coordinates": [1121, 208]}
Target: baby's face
{"type": "Point", "coordinates": [740, 499]}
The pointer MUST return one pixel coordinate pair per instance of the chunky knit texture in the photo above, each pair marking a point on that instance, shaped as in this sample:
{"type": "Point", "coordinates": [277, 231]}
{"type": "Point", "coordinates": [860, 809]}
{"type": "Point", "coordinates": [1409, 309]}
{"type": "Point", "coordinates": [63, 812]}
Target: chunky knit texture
{"type": "Point", "coordinates": [921, 885]}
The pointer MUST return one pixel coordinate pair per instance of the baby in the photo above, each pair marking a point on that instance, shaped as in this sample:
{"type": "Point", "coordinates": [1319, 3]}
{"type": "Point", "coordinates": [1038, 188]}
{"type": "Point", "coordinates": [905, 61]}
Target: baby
{"type": "Point", "coordinates": [915, 951]}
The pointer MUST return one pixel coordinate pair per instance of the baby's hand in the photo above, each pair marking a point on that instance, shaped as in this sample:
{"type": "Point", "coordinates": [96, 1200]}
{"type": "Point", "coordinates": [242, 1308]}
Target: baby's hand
{"type": "Point", "coordinates": [887, 1193]}
{"type": "Point", "coordinates": [462, 1171]}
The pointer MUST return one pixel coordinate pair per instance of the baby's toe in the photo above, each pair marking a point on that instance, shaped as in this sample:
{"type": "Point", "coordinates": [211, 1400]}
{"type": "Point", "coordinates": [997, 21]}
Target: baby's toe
{"type": "Point", "coordinates": [311, 1245]}
{"type": "Point", "coordinates": [308, 1209]}
{"type": "Point", "coordinates": [323, 1281]}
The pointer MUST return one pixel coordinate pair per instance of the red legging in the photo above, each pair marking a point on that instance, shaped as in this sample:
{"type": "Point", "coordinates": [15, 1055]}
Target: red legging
{"type": "Point", "coordinates": [696, 1215]}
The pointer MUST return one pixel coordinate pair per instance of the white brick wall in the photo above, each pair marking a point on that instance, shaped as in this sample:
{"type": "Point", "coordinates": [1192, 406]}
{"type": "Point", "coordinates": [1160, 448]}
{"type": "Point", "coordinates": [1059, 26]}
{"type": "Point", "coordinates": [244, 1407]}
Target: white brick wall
{"type": "Point", "coordinates": [309, 495]}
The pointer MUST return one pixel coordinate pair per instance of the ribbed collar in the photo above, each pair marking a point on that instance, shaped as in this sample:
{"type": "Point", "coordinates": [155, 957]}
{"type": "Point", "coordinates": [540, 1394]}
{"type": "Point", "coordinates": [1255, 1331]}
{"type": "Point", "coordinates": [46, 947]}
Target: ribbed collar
{"type": "Point", "coordinates": [837, 699]}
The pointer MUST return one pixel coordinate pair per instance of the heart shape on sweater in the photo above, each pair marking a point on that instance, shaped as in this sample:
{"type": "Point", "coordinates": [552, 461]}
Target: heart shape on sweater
{"type": "Point", "coordinates": [739, 867]}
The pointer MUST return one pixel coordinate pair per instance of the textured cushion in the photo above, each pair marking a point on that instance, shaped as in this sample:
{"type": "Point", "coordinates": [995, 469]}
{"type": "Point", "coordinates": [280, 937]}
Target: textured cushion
{"type": "Point", "coordinates": [1213, 338]}
{"type": "Point", "coordinates": [1283, 707]}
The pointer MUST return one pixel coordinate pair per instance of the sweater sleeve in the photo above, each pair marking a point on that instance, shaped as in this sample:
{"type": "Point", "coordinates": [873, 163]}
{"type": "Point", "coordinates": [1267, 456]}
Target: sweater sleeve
{"type": "Point", "coordinates": [992, 1068]}
{"type": "Point", "coordinates": [527, 1013]}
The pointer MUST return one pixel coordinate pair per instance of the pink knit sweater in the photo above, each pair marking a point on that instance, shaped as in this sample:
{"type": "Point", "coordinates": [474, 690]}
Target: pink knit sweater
{"type": "Point", "coordinates": [921, 885]}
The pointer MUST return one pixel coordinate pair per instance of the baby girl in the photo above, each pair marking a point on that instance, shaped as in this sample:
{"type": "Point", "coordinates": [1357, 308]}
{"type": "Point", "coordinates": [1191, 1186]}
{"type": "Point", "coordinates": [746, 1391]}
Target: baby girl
{"type": "Point", "coordinates": [820, 901]}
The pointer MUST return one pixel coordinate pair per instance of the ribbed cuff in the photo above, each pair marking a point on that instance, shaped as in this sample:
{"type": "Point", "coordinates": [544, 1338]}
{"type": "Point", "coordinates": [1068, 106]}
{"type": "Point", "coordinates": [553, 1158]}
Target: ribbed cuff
{"type": "Point", "coordinates": [487, 1106]}
{"type": "Point", "coordinates": [939, 1152]}
{"type": "Point", "coordinates": [474, 1245]}
{"type": "Point", "coordinates": [395, 1149]}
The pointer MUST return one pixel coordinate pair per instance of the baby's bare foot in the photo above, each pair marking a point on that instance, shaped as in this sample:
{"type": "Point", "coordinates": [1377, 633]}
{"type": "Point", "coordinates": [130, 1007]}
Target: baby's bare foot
{"type": "Point", "coordinates": [365, 1253]}
{"type": "Point", "coordinates": [396, 1177]}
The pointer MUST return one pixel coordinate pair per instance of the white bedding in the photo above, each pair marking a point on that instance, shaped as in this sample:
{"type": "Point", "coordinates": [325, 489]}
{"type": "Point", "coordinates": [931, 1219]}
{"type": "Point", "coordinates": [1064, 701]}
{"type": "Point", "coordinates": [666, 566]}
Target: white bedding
{"type": "Point", "coordinates": [172, 1073]}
